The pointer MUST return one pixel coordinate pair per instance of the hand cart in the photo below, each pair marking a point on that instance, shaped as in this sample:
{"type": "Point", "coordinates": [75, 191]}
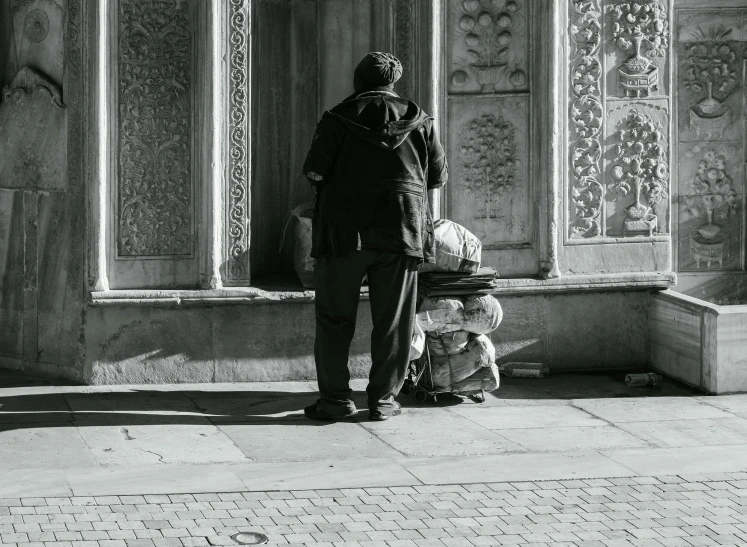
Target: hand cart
{"type": "Point", "coordinates": [419, 383]}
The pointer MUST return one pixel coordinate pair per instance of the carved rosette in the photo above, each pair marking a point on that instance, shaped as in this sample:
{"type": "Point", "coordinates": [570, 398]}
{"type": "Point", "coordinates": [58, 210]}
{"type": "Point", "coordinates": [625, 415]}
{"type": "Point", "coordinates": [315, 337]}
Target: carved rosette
{"type": "Point", "coordinates": [155, 184]}
{"type": "Point", "coordinates": [586, 115]}
{"type": "Point", "coordinates": [238, 161]}
{"type": "Point", "coordinates": [405, 44]}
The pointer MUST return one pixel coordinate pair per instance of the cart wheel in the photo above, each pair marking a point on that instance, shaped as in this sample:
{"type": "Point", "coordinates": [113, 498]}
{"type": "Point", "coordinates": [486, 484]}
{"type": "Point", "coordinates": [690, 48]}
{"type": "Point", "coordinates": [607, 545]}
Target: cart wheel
{"type": "Point", "coordinates": [478, 397]}
{"type": "Point", "coordinates": [419, 395]}
{"type": "Point", "coordinates": [407, 387]}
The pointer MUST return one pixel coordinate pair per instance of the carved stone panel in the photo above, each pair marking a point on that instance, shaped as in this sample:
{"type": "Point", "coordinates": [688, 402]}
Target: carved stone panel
{"type": "Point", "coordinates": [33, 140]}
{"type": "Point", "coordinates": [711, 58]}
{"type": "Point", "coordinates": [489, 45]}
{"type": "Point", "coordinates": [155, 201]}
{"type": "Point", "coordinates": [710, 235]}
{"type": "Point", "coordinates": [637, 168]}
{"type": "Point", "coordinates": [37, 27]}
{"type": "Point", "coordinates": [489, 181]}
{"type": "Point", "coordinates": [636, 50]}
{"type": "Point", "coordinates": [619, 119]}
{"type": "Point", "coordinates": [709, 77]}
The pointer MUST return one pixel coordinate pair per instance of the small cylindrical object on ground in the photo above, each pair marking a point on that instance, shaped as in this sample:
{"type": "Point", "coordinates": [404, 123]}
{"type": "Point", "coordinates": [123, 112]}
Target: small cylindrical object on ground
{"type": "Point", "coordinates": [643, 380]}
{"type": "Point", "coordinates": [525, 370]}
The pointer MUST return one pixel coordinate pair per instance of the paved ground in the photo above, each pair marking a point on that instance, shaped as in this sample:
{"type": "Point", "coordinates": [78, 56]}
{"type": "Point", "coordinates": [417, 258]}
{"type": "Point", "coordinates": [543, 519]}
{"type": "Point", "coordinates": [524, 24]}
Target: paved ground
{"type": "Point", "coordinates": [577, 459]}
{"type": "Point", "coordinates": [673, 511]}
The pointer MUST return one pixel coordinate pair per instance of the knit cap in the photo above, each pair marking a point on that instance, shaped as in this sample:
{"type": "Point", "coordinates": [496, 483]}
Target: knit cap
{"type": "Point", "coordinates": [379, 69]}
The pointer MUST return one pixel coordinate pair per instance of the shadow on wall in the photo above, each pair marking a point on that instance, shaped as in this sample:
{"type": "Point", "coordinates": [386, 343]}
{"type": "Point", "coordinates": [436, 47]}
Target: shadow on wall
{"type": "Point", "coordinates": [233, 343]}
{"type": "Point", "coordinates": [275, 342]}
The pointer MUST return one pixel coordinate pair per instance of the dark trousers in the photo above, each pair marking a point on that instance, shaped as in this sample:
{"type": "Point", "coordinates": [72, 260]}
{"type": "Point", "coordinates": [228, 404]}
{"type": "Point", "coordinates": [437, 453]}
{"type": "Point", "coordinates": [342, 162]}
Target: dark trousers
{"type": "Point", "coordinates": [392, 281]}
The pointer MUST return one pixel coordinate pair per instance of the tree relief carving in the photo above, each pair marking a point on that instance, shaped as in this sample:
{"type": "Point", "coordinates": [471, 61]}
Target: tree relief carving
{"type": "Point", "coordinates": [155, 188]}
{"type": "Point", "coordinates": [489, 46]}
{"type": "Point", "coordinates": [489, 170]}
{"type": "Point", "coordinates": [586, 115]}
{"type": "Point", "coordinates": [710, 70]}
{"type": "Point", "coordinates": [711, 201]}
{"type": "Point", "coordinates": [635, 24]}
{"type": "Point", "coordinates": [640, 170]}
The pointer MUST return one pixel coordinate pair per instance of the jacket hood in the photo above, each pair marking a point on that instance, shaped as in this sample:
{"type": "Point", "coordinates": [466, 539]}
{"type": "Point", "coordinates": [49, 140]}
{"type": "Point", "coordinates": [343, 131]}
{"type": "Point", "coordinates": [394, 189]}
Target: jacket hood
{"type": "Point", "coordinates": [379, 117]}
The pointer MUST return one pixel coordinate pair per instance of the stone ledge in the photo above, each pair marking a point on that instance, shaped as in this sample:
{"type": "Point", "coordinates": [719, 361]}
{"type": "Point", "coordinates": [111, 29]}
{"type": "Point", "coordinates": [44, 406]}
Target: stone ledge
{"type": "Point", "coordinates": [588, 282]}
{"type": "Point", "coordinates": [257, 295]}
{"type": "Point", "coordinates": [211, 297]}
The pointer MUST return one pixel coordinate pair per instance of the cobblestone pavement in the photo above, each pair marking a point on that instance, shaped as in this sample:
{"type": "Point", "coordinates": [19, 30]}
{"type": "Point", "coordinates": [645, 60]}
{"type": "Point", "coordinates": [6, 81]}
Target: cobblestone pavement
{"type": "Point", "coordinates": [670, 511]}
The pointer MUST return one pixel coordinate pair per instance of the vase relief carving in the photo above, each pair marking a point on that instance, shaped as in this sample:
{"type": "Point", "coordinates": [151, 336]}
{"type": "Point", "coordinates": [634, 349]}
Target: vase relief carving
{"type": "Point", "coordinates": [710, 70]}
{"type": "Point", "coordinates": [641, 28]}
{"type": "Point", "coordinates": [155, 186]}
{"type": "Point", "coordinates": [711, 200]}
{"type": "Point", "coordinates": [586, 115]}
{"type": "Point", "coordinates": [639, 171]}
{"type": "Point", "coordinates": [489, 46]}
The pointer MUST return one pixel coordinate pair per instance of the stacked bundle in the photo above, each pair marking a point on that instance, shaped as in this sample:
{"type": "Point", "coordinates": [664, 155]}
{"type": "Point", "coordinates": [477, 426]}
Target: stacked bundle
{"type": "Point", "coordinates": [462, 356]}
{"type": "Point", "coordinates": [484, 281]}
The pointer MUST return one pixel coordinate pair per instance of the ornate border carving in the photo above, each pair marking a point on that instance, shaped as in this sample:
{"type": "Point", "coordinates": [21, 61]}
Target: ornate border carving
{"type": "Point", "coordinates": [404, 44]}
{"type": "Point", "coordinates": [237, 220]}
{"type": "Point", "coordinates": [73, 94]}
{"type": "Point", "coordinates": [586, 117]}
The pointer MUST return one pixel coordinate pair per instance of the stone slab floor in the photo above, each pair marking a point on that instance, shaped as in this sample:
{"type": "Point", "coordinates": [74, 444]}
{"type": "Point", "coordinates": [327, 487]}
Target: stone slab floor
{"type": "Point", "coordinates": [573, 460]}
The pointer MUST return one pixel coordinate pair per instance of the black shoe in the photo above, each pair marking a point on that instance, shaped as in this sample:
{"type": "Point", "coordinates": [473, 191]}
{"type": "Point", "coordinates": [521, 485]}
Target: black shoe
{"type": "Point", "coordinates": [382, 414]}
{"type": "Point", "coordinates": [317, 412]}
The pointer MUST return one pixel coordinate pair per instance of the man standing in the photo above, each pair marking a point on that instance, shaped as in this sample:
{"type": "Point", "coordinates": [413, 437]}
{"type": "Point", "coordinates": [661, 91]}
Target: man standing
{"type": "Point", "coordinates": [372, 160]}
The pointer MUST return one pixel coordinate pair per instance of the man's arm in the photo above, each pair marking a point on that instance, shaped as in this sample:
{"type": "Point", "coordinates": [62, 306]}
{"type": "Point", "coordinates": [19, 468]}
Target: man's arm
{"type": "Point", "coordinates": [325, 147]}
{"type": "Point", "coordinates": [438, 171]}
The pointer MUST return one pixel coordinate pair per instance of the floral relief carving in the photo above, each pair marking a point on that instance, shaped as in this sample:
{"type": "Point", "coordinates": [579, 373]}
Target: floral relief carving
{"type": "Point", "coordinates": [155, 188]}
{"type": "Point", "coordinates": [710, 194]}
{"type": "Point", "coordinates": [238, 168]}
{"type": "Point", "coordinates": [633, 24]}
{"type": "Point", "coordinates": [489, 169]}
{"type": "Point", "coordinates": [586, 115]}
{"type": "Point", "coordinates": [710, 70]}
{"type": "Point", "coordinates": [490, 51]}
{"type": "Point", "coordinates": [640, 169]}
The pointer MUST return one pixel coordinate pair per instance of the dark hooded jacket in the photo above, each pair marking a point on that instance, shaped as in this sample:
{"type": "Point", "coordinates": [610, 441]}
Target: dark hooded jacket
{"type": "Point", "coordinates": [377, 154]}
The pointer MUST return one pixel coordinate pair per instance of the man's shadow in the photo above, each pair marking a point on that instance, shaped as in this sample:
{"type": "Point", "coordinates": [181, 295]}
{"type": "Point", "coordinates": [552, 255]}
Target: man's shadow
{"type": "Point", "coordinates": [172, 407]}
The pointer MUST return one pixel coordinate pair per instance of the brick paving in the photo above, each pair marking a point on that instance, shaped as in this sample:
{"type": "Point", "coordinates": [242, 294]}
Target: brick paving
{"type": "Point", "coordinates": [668, 511]}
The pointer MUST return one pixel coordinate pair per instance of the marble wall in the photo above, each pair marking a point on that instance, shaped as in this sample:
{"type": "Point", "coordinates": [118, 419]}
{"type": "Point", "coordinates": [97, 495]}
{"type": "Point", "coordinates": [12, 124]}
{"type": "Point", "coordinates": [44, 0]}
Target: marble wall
{"type": "Point", "coordinates": [710, 77]}
{"type": "Point", "coordinates": [492, 149]}
{"type": "Point", "coordinates": [41, 207]}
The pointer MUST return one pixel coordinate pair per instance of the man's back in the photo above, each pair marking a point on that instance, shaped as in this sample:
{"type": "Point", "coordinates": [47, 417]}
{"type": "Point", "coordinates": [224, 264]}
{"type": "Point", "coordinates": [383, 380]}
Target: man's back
{"type": "Point", "coordinates": [378, 154]}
